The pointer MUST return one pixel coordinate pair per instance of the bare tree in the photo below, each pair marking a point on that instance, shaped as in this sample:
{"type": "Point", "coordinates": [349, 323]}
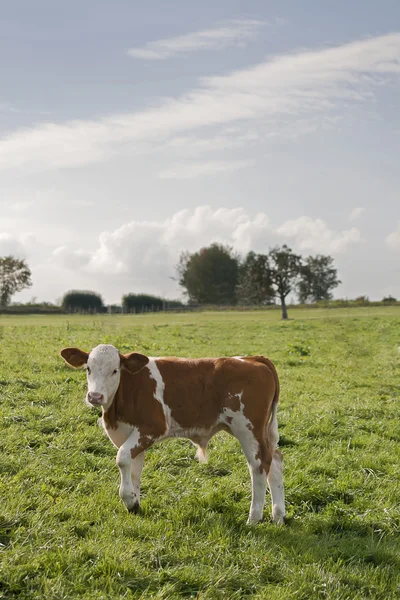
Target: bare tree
{"type": "Point", "coordinates": [284, 267]}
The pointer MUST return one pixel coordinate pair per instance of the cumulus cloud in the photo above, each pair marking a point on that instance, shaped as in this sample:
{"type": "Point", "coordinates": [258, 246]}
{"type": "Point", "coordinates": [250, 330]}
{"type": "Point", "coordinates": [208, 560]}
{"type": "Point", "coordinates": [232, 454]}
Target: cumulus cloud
{"type": "Point", "coordinates": [356, 212]}
{"type": "Point", "coordinates": [393, 239]}
{"type": "Point", "coordinates": [314, 235]}
{"type": "Point", "coordinates": [231, 33]}
{"type": "Point", "coordinates": [10, 244]}
{"type": "Point", "coordinates": [289, 87]}
{"type": "Point", "coordinates": [145, 253]}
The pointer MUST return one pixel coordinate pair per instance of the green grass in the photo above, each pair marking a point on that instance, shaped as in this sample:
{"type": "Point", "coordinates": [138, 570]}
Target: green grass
{"type": "Point", "coordinates": [65, 534]}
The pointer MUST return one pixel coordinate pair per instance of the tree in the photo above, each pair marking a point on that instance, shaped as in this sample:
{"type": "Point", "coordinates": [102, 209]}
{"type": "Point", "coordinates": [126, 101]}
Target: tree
{"type": "Point", "coordinates": [317, 278]}
{"type": "Point", "coordinates": [141, 303]}
{"type": "Point", "coordinates": [255, 285]}
{"type": "Point", "coordinates": [284, 267]}
{"type": "Point", "coordinates": [15, 275]}
{"type": "Point", "coordinates": [82, 301]}
{"type": "Point", "coordinates": [209, 276]}
{"type": "Point", "coordinates": [144, 303]}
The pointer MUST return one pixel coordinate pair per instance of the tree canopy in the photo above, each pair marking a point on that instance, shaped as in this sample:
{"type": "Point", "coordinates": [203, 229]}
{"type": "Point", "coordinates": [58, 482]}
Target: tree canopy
{"type": "Point", "coordinates": [82, 301]}
{"type": "Point", "coordinates": [146, 302]}
{"type": "Point", "coordinates": [210, 276]}
{"type": "Point", "coordinates": [317, 278]}
{"type": "Point", "coordinates": [15, 275]}
{"type": "Point", "coordinates": [255, 284]}
{"type": "Point", "coordinates": [215, 275]}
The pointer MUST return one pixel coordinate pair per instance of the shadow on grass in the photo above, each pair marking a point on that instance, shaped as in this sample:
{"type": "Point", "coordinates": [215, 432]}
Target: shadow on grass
{"type": "Point", "coordinates": [7, 528]}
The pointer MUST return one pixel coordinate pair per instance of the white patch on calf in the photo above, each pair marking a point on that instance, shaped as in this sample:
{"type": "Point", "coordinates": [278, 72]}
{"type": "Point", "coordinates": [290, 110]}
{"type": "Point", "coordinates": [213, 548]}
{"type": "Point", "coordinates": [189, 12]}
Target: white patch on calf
{"type": "Point", "coordinates": [273, 433]}
{"type": "Point", "coordinates": [242, 428]}
{"type": "Point", "coordinates": [236, 419]}
{"type": "Point", "coordinates": [277, 490]}
{"type": "Point", "coordinates": [160, 387]}
{"type": "Point", "coordinates": [120, 434]}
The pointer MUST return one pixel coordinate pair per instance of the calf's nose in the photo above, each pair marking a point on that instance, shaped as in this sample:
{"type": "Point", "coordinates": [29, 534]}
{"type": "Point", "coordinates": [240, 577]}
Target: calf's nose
{"type": "Point", "coordinates": [95, 397]}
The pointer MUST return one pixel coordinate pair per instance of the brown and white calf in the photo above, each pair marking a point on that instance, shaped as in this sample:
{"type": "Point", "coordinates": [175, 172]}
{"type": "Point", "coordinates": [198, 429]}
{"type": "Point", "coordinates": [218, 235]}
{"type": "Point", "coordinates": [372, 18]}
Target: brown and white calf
{"type": "Point", "coordinates": [145, 400]}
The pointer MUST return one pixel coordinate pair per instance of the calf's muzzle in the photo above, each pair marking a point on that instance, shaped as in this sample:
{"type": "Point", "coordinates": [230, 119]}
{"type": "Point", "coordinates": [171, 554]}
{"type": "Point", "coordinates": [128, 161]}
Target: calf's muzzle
{"type": "Point", "coordinates": [95, 398]}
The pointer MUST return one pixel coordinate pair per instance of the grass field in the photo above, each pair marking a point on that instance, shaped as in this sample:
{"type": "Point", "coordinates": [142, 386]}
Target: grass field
{"type": "Point", "coordinates": [65, 534]}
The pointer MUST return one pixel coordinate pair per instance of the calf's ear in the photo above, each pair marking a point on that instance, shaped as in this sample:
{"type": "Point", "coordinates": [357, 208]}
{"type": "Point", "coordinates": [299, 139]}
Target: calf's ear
{"type": "Point", "coordinates": [74, 357]}
{"type": "Point", "coordinates": [133, 362]}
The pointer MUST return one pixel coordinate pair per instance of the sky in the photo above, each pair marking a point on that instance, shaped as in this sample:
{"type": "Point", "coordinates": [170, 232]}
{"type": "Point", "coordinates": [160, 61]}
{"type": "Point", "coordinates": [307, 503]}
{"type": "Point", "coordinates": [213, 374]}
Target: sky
{"type": "Point", "coordinates": [133, 131]}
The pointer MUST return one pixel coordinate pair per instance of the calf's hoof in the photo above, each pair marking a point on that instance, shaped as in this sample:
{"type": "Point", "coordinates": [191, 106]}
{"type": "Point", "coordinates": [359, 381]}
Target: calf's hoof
{"type": "Point", "coordinates": [278, 518]}
{"type": "Point", "coordinates": [253, 520]}
{"type": "Point", "coordinates": [134, 508]}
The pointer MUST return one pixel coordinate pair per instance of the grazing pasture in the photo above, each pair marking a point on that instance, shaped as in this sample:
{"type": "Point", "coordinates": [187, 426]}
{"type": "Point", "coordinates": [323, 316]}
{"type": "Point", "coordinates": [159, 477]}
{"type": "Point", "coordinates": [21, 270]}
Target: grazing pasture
{"type": "Point", "coordinates": [64, 533]}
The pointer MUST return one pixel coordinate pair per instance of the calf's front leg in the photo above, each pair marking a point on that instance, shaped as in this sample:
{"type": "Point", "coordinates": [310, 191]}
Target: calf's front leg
{"type": "Point", "coordinates": [130, 458]}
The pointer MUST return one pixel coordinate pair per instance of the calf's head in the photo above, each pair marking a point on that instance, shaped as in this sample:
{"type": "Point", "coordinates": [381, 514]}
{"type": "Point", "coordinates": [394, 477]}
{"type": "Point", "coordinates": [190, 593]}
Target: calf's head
{"type": "Point", "coordinates": [103, 369]}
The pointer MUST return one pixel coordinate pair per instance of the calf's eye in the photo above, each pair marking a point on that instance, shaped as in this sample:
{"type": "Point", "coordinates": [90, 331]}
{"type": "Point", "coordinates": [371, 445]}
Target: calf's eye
{"type": "Point", "coordinates": [115, 371]}
{"type": "Point", "coordinates": [88, 371]}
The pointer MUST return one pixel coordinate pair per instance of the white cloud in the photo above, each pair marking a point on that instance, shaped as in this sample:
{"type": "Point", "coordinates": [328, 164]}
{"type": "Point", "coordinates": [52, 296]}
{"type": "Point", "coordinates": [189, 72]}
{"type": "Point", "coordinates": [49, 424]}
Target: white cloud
{"type": "Point", "coordinates": [10, 244]}
{"type": "Point", "coordinates": [143, 254]}
{"type": "Point", "coordinates": [232, 33]}
{"type": "Point", "coordinates": [196, 169]}
{"type": "Point", "coordinates": [393, 239]}
{"type": "Point", "coordinates": [292, 88]}
{"type": "Point", "coordinates": [356, 212]}
{"type": "Point", "coordinates": [314, 235]}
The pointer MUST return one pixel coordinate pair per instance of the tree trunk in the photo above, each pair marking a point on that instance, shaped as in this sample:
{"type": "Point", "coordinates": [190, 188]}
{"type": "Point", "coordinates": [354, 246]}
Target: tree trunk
{"type": "Point", "coordinates": [284, 309]}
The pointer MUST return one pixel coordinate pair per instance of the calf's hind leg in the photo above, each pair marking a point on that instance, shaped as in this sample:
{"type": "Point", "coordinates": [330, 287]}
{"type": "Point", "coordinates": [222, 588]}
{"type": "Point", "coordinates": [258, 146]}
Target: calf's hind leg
{"type": "Point", "coordinates": [276, 488]}
{"type": "Point", "coordinates": [258, 460]}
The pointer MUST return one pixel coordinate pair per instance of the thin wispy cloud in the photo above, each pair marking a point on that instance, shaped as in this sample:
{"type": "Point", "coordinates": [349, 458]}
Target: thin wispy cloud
{"type": "Point", "coordinates": [6, 107]}
{"type": "Point", "coordinates": [289, 88]}
{"type": "Point", "coordinates": [231, 33]}
{"type": "Point", "coordinates": [196, 169]}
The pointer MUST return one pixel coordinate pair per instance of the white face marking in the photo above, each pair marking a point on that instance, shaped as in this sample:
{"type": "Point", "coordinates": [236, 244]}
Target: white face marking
{"type": "Point", "coordinates": [103, 373]}
{"type": "Point", "coordinates": [241, 358]}
{"type": "Point", "coordinates": [160, 387]}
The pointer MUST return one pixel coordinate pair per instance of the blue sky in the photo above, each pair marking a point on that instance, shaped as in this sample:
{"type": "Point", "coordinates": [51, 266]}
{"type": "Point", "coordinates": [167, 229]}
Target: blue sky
{"type": "Point", "coordinates": [130, 132]}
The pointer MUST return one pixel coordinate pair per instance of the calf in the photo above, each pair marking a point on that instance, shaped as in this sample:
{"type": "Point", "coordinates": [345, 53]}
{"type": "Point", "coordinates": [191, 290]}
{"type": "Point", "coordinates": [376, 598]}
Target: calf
{"type": "Point", "coordinates": [145, 400]}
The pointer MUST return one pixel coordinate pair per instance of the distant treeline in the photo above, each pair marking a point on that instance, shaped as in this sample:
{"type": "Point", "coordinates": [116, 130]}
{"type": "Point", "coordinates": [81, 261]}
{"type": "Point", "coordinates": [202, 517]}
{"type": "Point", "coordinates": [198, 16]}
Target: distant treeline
{"type": "Point", "coordinates": [149, 303]}
{"type": "Point", "coordinates": [215, 277]}
{"type": "Point", "coordinates": [140, 303]}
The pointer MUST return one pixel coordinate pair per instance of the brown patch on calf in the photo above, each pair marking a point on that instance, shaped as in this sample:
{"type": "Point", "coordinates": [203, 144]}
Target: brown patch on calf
{"type": "Point", "coordinates": [198, 390]}
{"type": "Point", "coordinates": [134, 403]}
{"type": "Point", "coordinates": [190, 391]}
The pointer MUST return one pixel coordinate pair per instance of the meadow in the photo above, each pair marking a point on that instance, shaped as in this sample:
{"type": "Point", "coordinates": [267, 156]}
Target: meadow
{"type": "Point", "coordinates": [65, 534]}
